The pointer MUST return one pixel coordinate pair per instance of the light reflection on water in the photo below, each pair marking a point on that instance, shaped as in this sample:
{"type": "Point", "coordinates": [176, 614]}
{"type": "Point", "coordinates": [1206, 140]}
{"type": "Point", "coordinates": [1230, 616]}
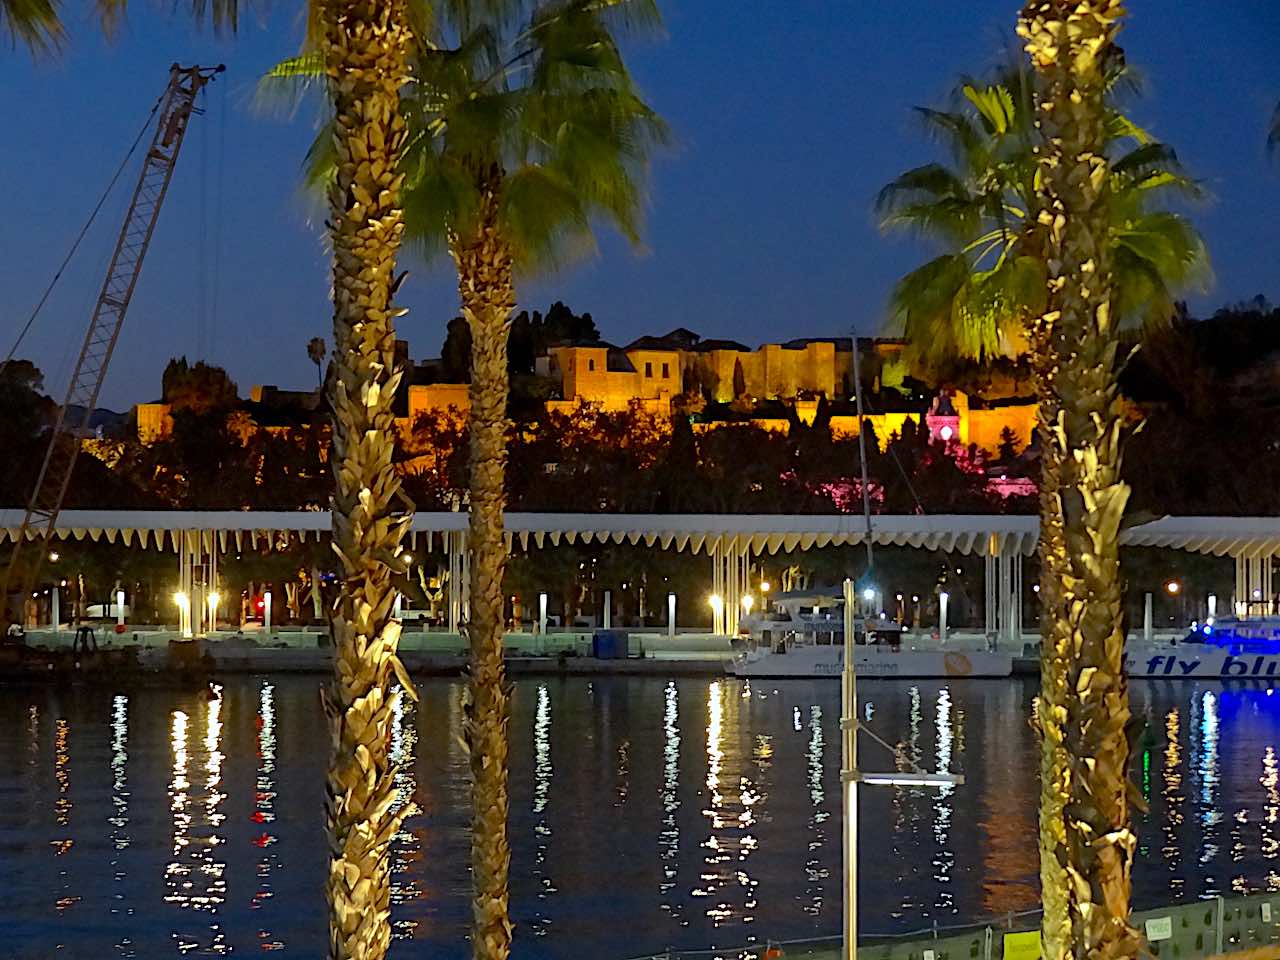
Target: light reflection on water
{"type": "Point", "coordinates": [645, 813]}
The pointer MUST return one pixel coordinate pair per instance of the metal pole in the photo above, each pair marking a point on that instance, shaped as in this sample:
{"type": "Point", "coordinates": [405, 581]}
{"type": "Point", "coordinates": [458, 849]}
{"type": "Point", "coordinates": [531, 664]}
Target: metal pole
{"type": "Point", "coordinates": [862, 450]}
{"type": "Point", "coordinates": [607, 620]}
{"type": "Point", "coordinates": [671, 614]}
{"type": "Point", "coordinates": [1148, 620]}
{"type": "Point", "coordinates": [55, 607]}
{"type": "Point", "coordinates": [266, 612]}
{"type": "Point", "coordinates": [542, 614]}
{"type": "Point", "coordinates": [942, 616]}
{"type": "Point", "coordinates": [848, 779]}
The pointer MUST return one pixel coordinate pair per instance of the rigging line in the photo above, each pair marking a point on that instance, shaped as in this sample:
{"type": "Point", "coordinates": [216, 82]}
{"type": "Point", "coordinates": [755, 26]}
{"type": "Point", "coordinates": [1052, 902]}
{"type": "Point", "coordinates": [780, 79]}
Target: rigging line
{"type": "Point", "coordinates": [80, 237]}
{"type": "Point", "coordinates": [202, 231]}
{"type": "Point", "coordinates": [220, 160]}
{"type": "Point", "coordinates": [901, 469]}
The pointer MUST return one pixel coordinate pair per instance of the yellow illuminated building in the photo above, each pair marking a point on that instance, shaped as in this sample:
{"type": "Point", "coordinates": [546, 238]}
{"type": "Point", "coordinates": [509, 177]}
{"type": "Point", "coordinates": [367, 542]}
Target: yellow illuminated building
{"type": "Point", "coordinates": [679, 372]}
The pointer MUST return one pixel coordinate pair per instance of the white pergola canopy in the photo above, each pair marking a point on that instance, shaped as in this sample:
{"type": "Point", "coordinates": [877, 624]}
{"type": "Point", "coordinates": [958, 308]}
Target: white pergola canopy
{"type": "Point", "coordinates": [759, 533]}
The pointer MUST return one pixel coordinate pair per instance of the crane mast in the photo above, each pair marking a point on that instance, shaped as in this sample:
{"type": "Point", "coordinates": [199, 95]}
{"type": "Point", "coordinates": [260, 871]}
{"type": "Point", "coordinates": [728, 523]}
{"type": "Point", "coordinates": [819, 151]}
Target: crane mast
{"type": "Point", "coordinates": [177, 105]}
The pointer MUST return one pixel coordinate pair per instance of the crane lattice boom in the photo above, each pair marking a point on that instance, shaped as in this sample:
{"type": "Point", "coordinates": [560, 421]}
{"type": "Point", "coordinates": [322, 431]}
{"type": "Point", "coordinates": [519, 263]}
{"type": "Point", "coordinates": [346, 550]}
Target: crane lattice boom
{"type": "Point", "coordinates": [72, 424]}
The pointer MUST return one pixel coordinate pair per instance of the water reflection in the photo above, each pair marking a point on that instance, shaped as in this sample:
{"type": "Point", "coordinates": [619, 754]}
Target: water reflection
{"type": "Point", "coordinates": [1173, 799]}
{"type": "Point", "coordinates": [149, 778]}
{"type": "Point", "coordinates": [62, 809]}
{"type": "Point", "coordinates": [195, 876]}
{"type": "Point", "coordinates": [815, 869]}
{"type": "Point", "coordinates": [263, 816]}
{"type": "Point", "coordinates": [542, 773]}
{"type": "Point", "coordinates": [119, 818]}
{"type": "Point", "coordinates": [1207, 771]}
{"type": "Point", "coordinates": [1270, 781]}
{"type": "Point", "coordinates": [406, 850]}
{"type": "Point", "coordinates": [731, 798]}
{"type": "Point", "coordinates": [669, 835]}
{"type": "Point", "coordinates": [944, 858]}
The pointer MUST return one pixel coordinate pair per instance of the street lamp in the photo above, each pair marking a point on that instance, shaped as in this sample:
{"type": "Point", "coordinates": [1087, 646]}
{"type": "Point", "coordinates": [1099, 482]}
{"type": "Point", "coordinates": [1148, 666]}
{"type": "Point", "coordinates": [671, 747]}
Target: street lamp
{"type": "Point", "coordinates": [1173, 586]}
{"type": "Point", "coordinates": [851, 776]}
{"type": "Point", "coordinates": [764, 586]}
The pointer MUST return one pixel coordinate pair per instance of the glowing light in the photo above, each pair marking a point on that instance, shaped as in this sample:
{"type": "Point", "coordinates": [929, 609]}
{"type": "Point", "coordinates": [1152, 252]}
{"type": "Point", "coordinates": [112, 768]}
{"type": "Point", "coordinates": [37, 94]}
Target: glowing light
{"type": "Point", "coordinates": [945, 433]}
{"type": "Point", "coordinates": [1173, 586]}
{"type": "Point", "coordinates": [869, 594]}
{"type": "Point", "coordinates": [213, 600]}
{"type": "Point", "coordinates": [944, 595]}
{"type": "Point", "coordinates": [764, 586]}
{"type": "Point", "coordinates": [716, 602]}
{"type": "Point", "coordinates": [181, 599]}
{"type": "Point", "coordinates": [408, 558]}
{"type": "Point", "coordinates": [53, 556]}
{"type": "Point", "coordinates": [748, 601]}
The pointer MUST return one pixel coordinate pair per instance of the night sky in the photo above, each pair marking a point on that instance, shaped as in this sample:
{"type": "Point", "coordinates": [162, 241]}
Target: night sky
{"type": "Point", "coordinates": [789, 116]}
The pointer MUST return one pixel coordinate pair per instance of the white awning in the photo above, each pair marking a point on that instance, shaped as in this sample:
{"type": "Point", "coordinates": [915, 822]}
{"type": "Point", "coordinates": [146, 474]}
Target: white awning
{"type": "Point", "coordinates": [763, 533]}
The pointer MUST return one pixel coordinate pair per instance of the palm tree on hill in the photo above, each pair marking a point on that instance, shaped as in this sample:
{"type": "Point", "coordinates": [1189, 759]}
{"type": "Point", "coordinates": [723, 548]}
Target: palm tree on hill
{"type": "Point", "coordinates": [316, 351]}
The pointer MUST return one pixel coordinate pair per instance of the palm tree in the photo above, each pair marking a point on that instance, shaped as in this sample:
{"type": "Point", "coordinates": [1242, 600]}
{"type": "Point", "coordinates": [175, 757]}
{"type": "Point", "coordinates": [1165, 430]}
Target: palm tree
{"type": "Point", "coordinates": [315, 351]}
{"type": "Point", "coordinates": [364, 46]}
{"type": "Point", "coordinates": [1083, 718]}
{"type": "Point", "coordinates": [523, 134]}
{"type": "Point", "coordinates": [984, 297]}
{"type": "Point", "coordinates": [976, 298]}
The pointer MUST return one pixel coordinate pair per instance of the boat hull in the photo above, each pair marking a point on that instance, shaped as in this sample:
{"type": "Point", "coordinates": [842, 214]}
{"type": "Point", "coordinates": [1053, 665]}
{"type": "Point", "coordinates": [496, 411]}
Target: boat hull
{"type": "Point", "coordinates": [1187, 662]}
{"type": "Point", "coordinates": [828, 661]}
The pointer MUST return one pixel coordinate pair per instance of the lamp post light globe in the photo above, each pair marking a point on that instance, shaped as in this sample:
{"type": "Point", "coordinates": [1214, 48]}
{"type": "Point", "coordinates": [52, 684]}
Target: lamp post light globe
{"type": "Point", "coordinates": [1173, 587]}
{"type": "Point", "coordinates": [765, 586]}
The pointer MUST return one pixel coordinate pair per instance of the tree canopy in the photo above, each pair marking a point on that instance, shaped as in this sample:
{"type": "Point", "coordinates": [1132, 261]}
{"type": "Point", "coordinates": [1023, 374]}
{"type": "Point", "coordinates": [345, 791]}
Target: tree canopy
{"type": "Point", "coordinates": [974, 298]}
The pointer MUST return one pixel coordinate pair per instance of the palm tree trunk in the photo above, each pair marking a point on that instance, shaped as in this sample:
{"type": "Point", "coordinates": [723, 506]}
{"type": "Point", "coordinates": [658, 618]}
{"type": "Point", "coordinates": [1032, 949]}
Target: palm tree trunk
{"type": "Point", "coordinates": [488, 297]}
{"type": "Point", "coordinates": [1069, 42]}
{"type": "Point", "coordinates": [1055, 638]}
{"type": "Point", "coordinates": [366, 43]}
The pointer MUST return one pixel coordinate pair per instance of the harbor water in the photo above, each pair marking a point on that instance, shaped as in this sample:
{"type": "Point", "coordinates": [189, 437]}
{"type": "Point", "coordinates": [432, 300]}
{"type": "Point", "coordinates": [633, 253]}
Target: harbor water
{"type": "Point", "coordinates": [646, 812]}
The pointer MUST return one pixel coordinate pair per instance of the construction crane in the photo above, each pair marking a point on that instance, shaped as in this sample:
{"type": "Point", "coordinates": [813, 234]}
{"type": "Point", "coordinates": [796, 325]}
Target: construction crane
{"type": "Point", "coordinates": [176, 106]}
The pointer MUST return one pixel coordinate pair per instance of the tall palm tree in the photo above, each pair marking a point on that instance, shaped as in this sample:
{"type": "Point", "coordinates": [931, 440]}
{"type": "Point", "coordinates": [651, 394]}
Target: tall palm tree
{"type": "Point", "coordinates": [525, 131]}
{"type": "Point", "coordinates": [364, 46]}
{"type": "Point", "coordinates": [1079, 194]}
{"type": "Point", "coordinates": [316, 350]}
{"type": "Point", "coordinates": [984, 297]}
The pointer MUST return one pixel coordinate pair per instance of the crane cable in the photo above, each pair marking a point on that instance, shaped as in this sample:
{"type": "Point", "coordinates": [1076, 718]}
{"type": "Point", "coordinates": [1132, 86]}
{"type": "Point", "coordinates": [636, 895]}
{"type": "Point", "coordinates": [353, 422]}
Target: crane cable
{"type": "Point", "coordinates": [80, 237]}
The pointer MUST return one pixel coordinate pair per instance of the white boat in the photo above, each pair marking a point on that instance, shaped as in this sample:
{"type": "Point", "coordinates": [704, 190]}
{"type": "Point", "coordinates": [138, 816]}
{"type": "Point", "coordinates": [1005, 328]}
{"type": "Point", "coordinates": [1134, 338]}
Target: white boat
{"type": "Point", "coordinates": [802, 635]}
{"type": "Point", "coordinates": [1224, 649]}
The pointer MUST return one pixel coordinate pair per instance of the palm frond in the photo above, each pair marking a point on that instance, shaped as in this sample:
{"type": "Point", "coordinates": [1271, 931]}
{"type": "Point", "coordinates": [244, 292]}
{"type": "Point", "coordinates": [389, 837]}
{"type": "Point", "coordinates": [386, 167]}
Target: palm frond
{"type": "Point", "coordinates": [34, 23]}
{"type": "Point", "coordinates": [287, 85]}
{"type": "Point", "coordinates": [544, 220]}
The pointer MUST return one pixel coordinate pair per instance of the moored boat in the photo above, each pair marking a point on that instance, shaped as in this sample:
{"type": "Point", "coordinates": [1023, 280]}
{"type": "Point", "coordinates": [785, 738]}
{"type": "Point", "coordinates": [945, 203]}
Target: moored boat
{"type": "Point", "coordinates": [802, 635]}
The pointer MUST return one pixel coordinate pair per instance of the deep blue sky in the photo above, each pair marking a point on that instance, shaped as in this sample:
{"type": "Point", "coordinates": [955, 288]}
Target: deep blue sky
{"type": "Point", "coordinates": [789, 115]}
